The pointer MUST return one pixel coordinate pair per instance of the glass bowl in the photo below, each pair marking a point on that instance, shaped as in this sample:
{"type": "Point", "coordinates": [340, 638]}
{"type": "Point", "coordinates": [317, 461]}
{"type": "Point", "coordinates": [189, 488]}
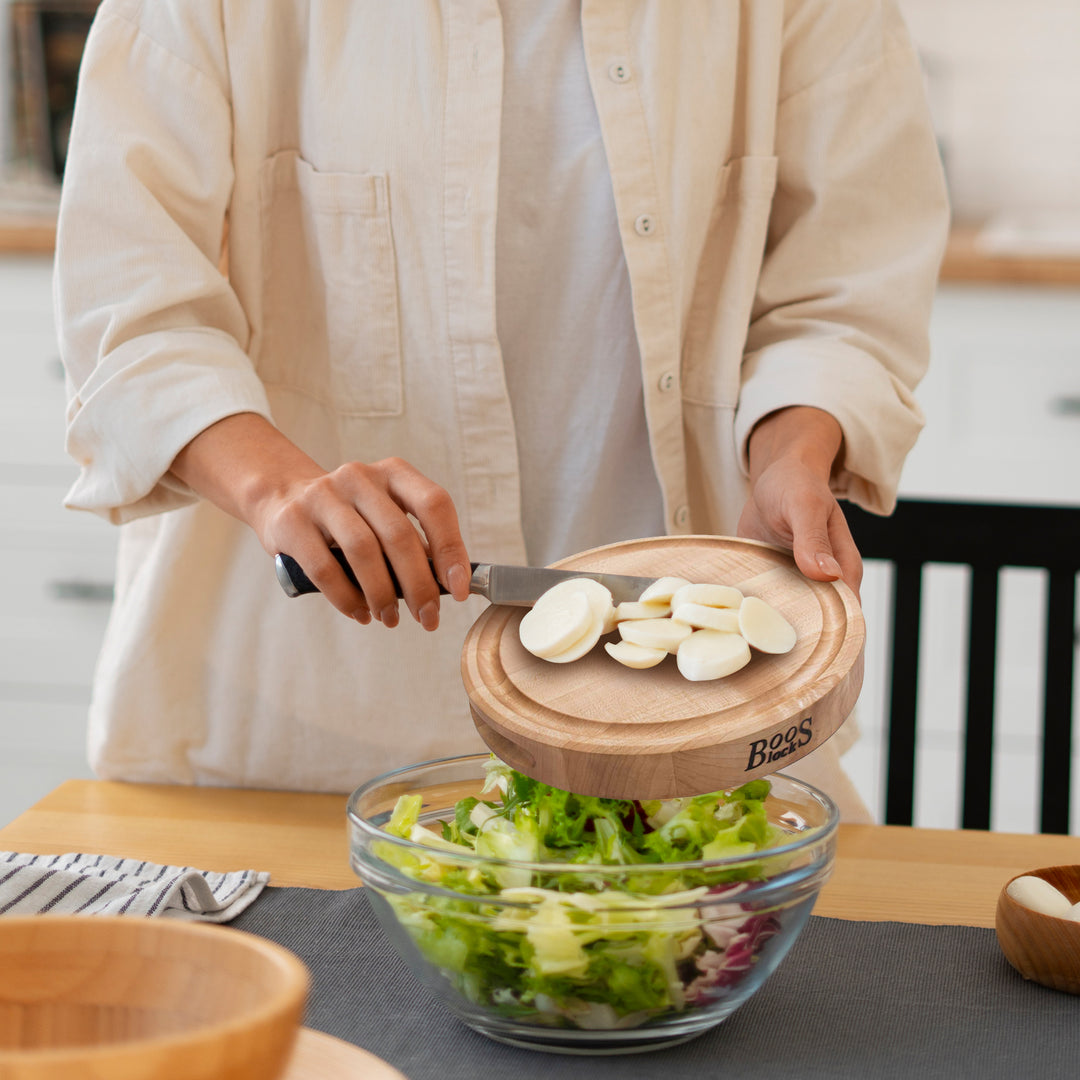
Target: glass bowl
{"type": "Point", "coordinates": [587, 959]}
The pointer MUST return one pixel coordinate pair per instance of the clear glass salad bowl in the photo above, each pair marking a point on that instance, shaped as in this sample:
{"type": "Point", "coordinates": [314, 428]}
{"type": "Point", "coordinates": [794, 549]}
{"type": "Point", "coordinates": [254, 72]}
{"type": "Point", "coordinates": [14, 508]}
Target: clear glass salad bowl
{"type": "Point", "coordinates": [571, 924]}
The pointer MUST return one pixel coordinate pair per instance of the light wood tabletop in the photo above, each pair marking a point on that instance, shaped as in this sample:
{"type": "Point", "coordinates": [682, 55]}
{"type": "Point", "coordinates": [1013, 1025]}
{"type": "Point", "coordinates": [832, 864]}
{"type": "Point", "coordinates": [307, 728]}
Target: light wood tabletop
{"type": "Point", "coordinates": [933, 876]}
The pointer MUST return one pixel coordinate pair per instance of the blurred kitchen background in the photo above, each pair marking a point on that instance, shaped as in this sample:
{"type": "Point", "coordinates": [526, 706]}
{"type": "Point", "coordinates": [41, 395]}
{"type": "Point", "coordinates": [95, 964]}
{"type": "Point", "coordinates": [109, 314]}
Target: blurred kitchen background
{"type": "Point", "coordinates": [1002, 399]}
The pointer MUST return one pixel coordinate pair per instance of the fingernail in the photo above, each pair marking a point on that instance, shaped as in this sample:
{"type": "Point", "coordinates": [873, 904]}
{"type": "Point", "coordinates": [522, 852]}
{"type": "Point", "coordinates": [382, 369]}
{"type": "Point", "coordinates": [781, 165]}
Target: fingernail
{"type": "Point", "coordinates": [362, 616]}
{"type": "Point", "coordinates": [829, 566]}
{"type": "Point", "coordinates": [429, 615]}
{"type": "Point", "coordinates": [457, 580]}
{"type": "Point", "coordinates": [389, 615]}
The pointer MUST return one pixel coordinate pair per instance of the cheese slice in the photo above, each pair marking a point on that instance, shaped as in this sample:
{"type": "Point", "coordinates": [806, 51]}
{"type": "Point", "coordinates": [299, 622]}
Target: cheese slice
{"type": "Point", "coordinates": [711, 654]}
{"type": "Point", "coordinates": [552, 625]}
{"type": "Point", "coordinates": [764, 627]}
{"type": "Point", "coordinates": [661, 590]}
{"type": "Point", "coordinates": [567, 620]}
{"type": "Point", "coordinates": [703, 617]}
{"type": "Point", "coordinates": [634, 656]}
{"type": "Point", "coordinates": [720, 596]}
{"type": "Point", "coordinates": [663, 634]}
{"type": "Point", "coordinates": [631, 609]}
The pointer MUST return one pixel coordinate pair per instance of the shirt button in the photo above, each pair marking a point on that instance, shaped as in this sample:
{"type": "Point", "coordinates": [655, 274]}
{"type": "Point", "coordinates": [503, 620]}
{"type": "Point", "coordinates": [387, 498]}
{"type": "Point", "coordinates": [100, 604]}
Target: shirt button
{"type": "Point", "coordinates": [666, 381]}
{"type": "Point", "coordinates": [682, 517]}
{"type": "Point", "coordinates": [645, 225]}
{"type": "Point", "coordinates": [619, 72]}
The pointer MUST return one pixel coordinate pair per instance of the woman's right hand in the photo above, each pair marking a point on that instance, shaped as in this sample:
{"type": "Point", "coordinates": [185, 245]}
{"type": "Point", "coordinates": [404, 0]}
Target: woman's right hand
{"type": "Point", "coordinates": [250, 469]}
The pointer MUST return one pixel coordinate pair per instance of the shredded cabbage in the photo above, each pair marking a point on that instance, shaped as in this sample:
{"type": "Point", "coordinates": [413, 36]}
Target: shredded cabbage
{"type": "Point", "coordinates": [611, 947]}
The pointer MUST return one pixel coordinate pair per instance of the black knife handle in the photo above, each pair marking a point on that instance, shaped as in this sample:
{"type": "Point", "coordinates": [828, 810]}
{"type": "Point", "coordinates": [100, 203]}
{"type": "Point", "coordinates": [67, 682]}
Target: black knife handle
{"type": "Point", "coordinates": [295, 582]}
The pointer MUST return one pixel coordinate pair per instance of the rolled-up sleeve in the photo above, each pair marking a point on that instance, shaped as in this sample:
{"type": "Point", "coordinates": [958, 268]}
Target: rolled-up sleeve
{"type": "Point", "coordinates": [152, 335]}
{"type": "Point", "coordinates": [856, 235]}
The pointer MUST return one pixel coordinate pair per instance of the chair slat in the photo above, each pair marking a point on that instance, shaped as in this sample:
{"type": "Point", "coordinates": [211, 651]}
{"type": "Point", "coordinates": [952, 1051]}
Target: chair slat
{"type": "Point", "coordinates": [979, 727]}
{"type": "Point", "coordinates": [1058, 702]}
{"type": "Point", "coordinates": [990, 536]}
{"type": "Point", "coordinates": [970, 532]}
{"type": "Point", "coordinates": [904, 680]}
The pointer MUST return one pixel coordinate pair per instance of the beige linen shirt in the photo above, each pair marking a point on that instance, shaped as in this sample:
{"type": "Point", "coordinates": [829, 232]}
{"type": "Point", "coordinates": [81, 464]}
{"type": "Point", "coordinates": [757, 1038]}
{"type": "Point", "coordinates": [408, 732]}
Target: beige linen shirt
{"type": "Point", "coordinates": [782, 214]}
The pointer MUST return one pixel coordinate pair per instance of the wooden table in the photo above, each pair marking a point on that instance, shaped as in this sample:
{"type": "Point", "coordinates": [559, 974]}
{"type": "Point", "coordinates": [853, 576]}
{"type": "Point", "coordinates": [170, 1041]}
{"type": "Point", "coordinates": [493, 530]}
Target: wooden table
{"type": "Point", "coordinates": [932, 876]}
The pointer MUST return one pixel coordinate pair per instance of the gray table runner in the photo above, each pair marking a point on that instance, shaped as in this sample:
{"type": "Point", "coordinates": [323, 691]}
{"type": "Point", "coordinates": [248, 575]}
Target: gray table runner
{"type": "Point", "coordinates": [873, 1001]}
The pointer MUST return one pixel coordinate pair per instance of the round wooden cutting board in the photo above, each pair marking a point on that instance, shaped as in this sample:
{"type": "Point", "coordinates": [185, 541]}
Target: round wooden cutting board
{"type": "Point", "coordinates": [598, 728]}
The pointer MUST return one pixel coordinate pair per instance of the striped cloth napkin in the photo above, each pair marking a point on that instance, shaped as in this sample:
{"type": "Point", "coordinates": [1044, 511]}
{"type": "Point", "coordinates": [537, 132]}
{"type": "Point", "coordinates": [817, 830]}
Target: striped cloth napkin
{"type": "Point", "coordinates": [76, 884]}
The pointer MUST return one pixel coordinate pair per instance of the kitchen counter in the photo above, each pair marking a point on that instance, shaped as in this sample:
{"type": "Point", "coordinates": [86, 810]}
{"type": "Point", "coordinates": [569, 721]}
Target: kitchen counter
{"type": "Point", "coordinates": [27, 216]}
{"type": "Point", "coordinates": [27, 235]}
{"type": "Point", "coordinates": [964, 261]}
{"type": "Point", "coordinates": [887, 873]}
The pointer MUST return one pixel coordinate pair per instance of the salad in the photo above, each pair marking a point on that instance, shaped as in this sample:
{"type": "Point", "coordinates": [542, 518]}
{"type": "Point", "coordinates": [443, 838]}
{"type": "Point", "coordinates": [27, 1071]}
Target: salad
{"type": "Point", "coordinates": [596, 933]}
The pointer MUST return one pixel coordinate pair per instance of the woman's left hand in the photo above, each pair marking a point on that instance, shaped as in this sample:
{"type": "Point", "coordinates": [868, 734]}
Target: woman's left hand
{"type": "Point", "coordinates": [792, 454]}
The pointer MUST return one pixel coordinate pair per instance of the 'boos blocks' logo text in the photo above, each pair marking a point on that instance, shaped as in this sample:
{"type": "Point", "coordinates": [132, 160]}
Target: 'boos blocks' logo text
{"type": "Point", "coordinates": [782, 743]}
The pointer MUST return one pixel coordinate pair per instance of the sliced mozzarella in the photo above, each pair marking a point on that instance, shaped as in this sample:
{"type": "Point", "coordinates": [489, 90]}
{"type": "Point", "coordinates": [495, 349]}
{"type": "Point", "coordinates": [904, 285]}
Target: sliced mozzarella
{"type": "Point", "coordinates": [764, 627]}
{"type": "Point", "coordinates": [719, 596]}
{"type": "Point", "coordinates": [663, 634]}
{"type": "Point", "coordinates": [702, 617]}
{"type": "Point", "coordinates": [1038, 894]}
{"type": "Point", "coordinates": [660, 591]}
{"type": "Point", "coordinates": [634, 656]}
{"type": "Point", "coordinates": [711, 654]}
{"type": "Point", "coordinates": [555, 617]}
{"type": "Point", "coordinates": [630, 609]}
{"type": "Point", "coordinates": [554, 623]}
{"type": "Point", "coordinates": [581, 647]}
{"type": "Point", "coordinates": [599, 597]}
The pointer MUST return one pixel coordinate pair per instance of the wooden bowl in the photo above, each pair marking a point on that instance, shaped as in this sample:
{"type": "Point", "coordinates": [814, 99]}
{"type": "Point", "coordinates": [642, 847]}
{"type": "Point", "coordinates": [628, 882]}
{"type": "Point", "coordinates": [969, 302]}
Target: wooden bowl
{"type": "Point", "coordinates": [129, 998]}
{"type": "Point", "coordinates": [598, 728]}
{"type": "Point", "coordinates": [1042, 947]}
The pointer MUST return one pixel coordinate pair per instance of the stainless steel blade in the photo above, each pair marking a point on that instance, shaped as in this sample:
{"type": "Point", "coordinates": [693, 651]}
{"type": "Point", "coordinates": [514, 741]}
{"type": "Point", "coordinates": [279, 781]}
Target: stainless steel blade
{"type": "Point", "coordinates": [522, 586]}
{"type": "Point", "coordinates": [519, 586]}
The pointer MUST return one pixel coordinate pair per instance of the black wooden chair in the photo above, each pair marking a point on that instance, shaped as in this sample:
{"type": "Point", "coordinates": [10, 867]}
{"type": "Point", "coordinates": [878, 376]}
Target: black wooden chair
{"type": "Point", "coordinates": [986, 537]}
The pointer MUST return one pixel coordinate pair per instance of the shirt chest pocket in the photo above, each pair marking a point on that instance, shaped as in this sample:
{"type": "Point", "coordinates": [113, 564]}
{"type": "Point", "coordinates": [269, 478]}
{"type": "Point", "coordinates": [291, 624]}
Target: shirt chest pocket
{"type": "Point", "coordinates": [329, 294]}
{"type": "Point", "coordinates": [726, 282]}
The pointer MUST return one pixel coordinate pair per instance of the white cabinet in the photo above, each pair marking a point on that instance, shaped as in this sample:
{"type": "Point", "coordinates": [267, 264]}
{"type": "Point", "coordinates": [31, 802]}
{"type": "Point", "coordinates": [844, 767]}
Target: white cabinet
{"type": "Point", "coordinates": [1002, 404]}
{"type": "Point", "coordinates": [1002, 397]}
{"type": "Point", "coordinates": [58, 564]}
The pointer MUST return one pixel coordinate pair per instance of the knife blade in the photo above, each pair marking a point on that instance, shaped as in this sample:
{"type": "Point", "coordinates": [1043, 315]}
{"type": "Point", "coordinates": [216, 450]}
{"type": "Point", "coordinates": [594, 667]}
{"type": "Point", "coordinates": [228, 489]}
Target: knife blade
{"type": "Point", "coordinates": [518, 586]}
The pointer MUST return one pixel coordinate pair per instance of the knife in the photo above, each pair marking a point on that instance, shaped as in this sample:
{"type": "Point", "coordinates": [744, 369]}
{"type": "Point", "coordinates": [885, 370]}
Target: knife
{"type": "Point", "coordinates": [519, 586]}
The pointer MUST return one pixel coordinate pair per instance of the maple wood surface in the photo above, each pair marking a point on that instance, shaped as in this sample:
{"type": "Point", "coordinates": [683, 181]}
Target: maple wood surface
{"type": "Point", "coordinates": [600, 728]}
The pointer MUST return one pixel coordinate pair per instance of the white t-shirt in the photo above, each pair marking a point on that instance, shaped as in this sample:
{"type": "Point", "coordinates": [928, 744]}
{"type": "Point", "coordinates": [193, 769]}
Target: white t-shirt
{"type": "Point", "coordinates": [563, 306]}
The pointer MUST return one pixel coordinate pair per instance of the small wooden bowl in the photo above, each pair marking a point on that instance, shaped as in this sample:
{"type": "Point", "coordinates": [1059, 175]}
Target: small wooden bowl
{"type": "Point", "coordinates": [1042, 947]}
{"type": "Point", "coordinates": [126, 997]}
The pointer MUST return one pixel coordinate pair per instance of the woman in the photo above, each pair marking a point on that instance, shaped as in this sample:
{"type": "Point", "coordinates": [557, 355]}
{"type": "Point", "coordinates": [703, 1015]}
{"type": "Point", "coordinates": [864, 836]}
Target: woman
{"type": "Point", "coordinates": [535, 277]}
